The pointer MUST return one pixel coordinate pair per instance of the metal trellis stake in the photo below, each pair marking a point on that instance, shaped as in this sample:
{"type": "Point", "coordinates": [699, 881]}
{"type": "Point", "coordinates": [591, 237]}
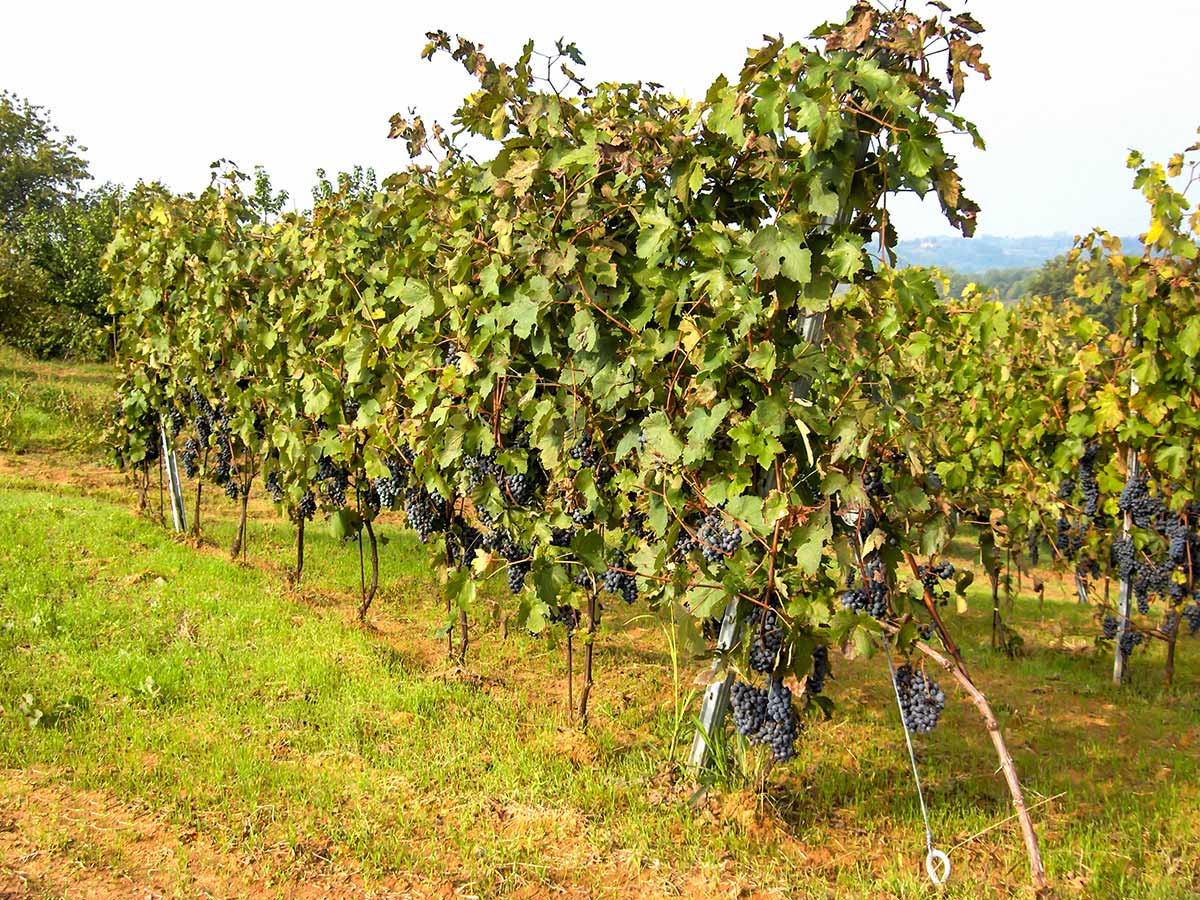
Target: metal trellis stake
{"type": "Point", "coordinates": [178, 517]}
{"type": "Point", "coordinates": [1127, 534]}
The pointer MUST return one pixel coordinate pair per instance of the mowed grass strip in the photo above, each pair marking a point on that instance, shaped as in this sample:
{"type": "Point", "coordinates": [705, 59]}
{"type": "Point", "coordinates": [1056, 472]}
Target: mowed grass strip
{"type": "Point", "coordinates": [211, 695]}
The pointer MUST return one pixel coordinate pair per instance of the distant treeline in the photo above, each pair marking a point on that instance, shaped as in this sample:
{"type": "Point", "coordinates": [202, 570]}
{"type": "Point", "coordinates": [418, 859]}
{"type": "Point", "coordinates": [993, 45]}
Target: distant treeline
{"type": "Point", "coordinates": [1053, 278]}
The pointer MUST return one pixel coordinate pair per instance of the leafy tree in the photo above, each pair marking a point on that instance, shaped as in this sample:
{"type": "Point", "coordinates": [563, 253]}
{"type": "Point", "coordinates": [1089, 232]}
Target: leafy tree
{"type": "Point", "coordinates": [38, 169]}
{"type": "Point", "coordinates": [359, 183]}
{"type": "Point", "coordinates": [66, 243]}
{"type": "Point", "coordinates": [1096, 290]}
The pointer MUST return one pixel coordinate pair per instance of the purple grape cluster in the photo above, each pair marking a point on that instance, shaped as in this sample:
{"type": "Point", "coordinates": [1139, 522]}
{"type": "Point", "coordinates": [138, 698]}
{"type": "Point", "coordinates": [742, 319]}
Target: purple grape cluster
{"type": "Point", "coordinates": [871, 598]}
{"type": "Point", "coordinates": [388, 488]}
{"type": "Point", "coordinates": [427, 513]}
{"type": "Point", "coordinates": [1143, 507]}
{"type": "Point", "coordinates": [1089, 488]}
{"type": "Point", "coordinates": [766, 640]}
{"type": "Point", "coordinates": [334, 480]}
{"type": "Point", "coordinates": [717, 543]}
{"type": "Point", "coordinates": [565, 615]}
{"type": "Point", "coordinates": [273, 487]}
{"type": "Point", "coordinates": [820, 669]}
{"type": "Point", "coordinates": [932, 575]}
{"type": "Point", "coordinates": [463, 541]}
{"type": "Point", "coordinates": [1110, 626]}
{"type": "Point", "coordinates": [518, 557]}
{"type": "Point", "coordinates": [1129, 640]}
{"type": "Point", "coordinates": [190, 457]}
{"type": "Point", "coordinates": [921, 699]}
{"type": "Point", "coordinates": [620, 582]}
{"type": "Point", "coordinates": [307, 507]}
{"type": "Point", "coordinates": [873, 482]}
{"type": "Point", "coordinates": [766, 716]}
{"type": "Point", "coordinates": [584, 452]}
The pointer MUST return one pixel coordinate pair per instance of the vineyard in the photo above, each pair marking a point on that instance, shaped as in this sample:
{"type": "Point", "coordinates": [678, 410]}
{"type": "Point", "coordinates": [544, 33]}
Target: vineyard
{"type": "Point", "coordinates": [596, 508]}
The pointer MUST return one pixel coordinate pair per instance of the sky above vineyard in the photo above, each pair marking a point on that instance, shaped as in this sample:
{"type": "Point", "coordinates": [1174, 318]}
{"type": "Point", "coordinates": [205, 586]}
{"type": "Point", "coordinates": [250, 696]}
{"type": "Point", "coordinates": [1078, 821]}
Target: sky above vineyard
{"type": "Point", "coordinates": [160, 90]}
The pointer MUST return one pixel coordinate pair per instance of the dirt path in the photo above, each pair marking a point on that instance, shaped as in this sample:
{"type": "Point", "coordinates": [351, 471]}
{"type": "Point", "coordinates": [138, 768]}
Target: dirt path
{"type": "Point", "coordinates": [83, 845]}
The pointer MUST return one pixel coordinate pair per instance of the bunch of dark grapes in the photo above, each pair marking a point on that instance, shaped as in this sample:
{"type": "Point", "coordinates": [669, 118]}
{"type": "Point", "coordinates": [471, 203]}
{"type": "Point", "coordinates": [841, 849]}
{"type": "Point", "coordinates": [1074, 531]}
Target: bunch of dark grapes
{"type": "Point", "coordinates": [1191, 615]}
{"type": "Point", "coordinates": [463, 541]}
{"type": "Point", "coordinates": [635, 523]}
{"type": "Point", "coordinates": [585, 453]}
{"type": "Point", "coordinates": [620, 582]}
{"type": "Point", "coordinates": [1150, 580]}
{"type": "Point", "coordinates": [765, 716]}
{"type": "Point", "coordinates": [1032, 550]}
{"type": "Point", "coordinates": [565, 615]}
{"type": "Point", "coordinates": [749, 708]}
{"type": "Point", "coordinates": [200, 403]}
{"type": "Point", "coordinates": [223, 463]}
{"type": "Point", "coordinates": [931, 575]}
{"type": "Point", "coordinates": [350, 409]}
{"type": "Point", "coordinates": [820, 669]}
{"type": "Point", "coordinates": [273, 487]}
{"type": "Point", "coordinates": [1062, 536]}
{"type": "Point", "coordinates": [307, 507]}
{"type": "Point", "coordinates": [370, 499]}
{"type": "Point", "coordinates": [779, 700]}
{"type": "Point", "coordinates": [1178, 536]}
{"type": "Point", "coordinates": [1088, 486]}
{"type": "Point", "coordinates": [766, 640]}
{"type": "Point", "coordinates": [685, 542]}
{"type": "Point", "coordinates": [450, 355]}
{"type": "Point", "coordinates": [480, 466]}
{"type": "Point", "coordinates": [221, 417]}
{"type": "Point", "coordinates": [177, 423]}
{"type": "Point", "coordinates": [1066, 489]}
{"type": "Point", "coordinates": [1086, 568]}
{"type": "Point", "coordinates": [717, 543]}
{"type": "Point", "coordinates": [873, 482]}
{"type": "Point", "coordinates": [561, 537]}
{"type": "Point", "coordinates": [231, 489]}
{"type": "Point", "coordinates": [426, 512]}
{"type": "Point", "coordinates": [389, 487]}
{"type": "Point", "coordinates": [1129, 640]}
{"type": "Point", "coordinates": [521, 488]}
{"type": "Point", "coordinates": [1110, 626]}
{"type": "Point", "coordinates": [780, 737]}
{"type": "Point", "coordinates": [921, 700]}
{"type": "Point", "coordinates": [1122, 557]}
{"type": "Point", "coordinates": [517, 572]}
{"type": "Point", "coordinates": [871, 598]}
{"type": "Point", "coordinates": [518, 557]}
{"type": "Point", "coordinates": [334, 481]}
{"type": "Point", "coordinates": [582, 517]}
{"type": "Point", "coordinates": [1136, 500]}
{"type": "Point", "coordinates": [190, 456]}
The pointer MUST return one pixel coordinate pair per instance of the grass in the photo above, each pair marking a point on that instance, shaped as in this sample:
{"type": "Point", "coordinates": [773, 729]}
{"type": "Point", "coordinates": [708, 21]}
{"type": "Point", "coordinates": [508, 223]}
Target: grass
{"type": "Point", "coordinates": [208, 722]}
{"type": "Point", "coordinates": [51, 406]}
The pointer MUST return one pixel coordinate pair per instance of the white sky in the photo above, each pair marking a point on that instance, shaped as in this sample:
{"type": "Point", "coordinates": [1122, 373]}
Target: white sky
{"type": "Point", "coordinates": [159, 90]}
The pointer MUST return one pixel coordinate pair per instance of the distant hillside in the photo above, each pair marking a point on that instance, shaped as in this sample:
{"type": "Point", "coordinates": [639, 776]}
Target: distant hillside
{"type": "Point", "coordinates": [981, 254]}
